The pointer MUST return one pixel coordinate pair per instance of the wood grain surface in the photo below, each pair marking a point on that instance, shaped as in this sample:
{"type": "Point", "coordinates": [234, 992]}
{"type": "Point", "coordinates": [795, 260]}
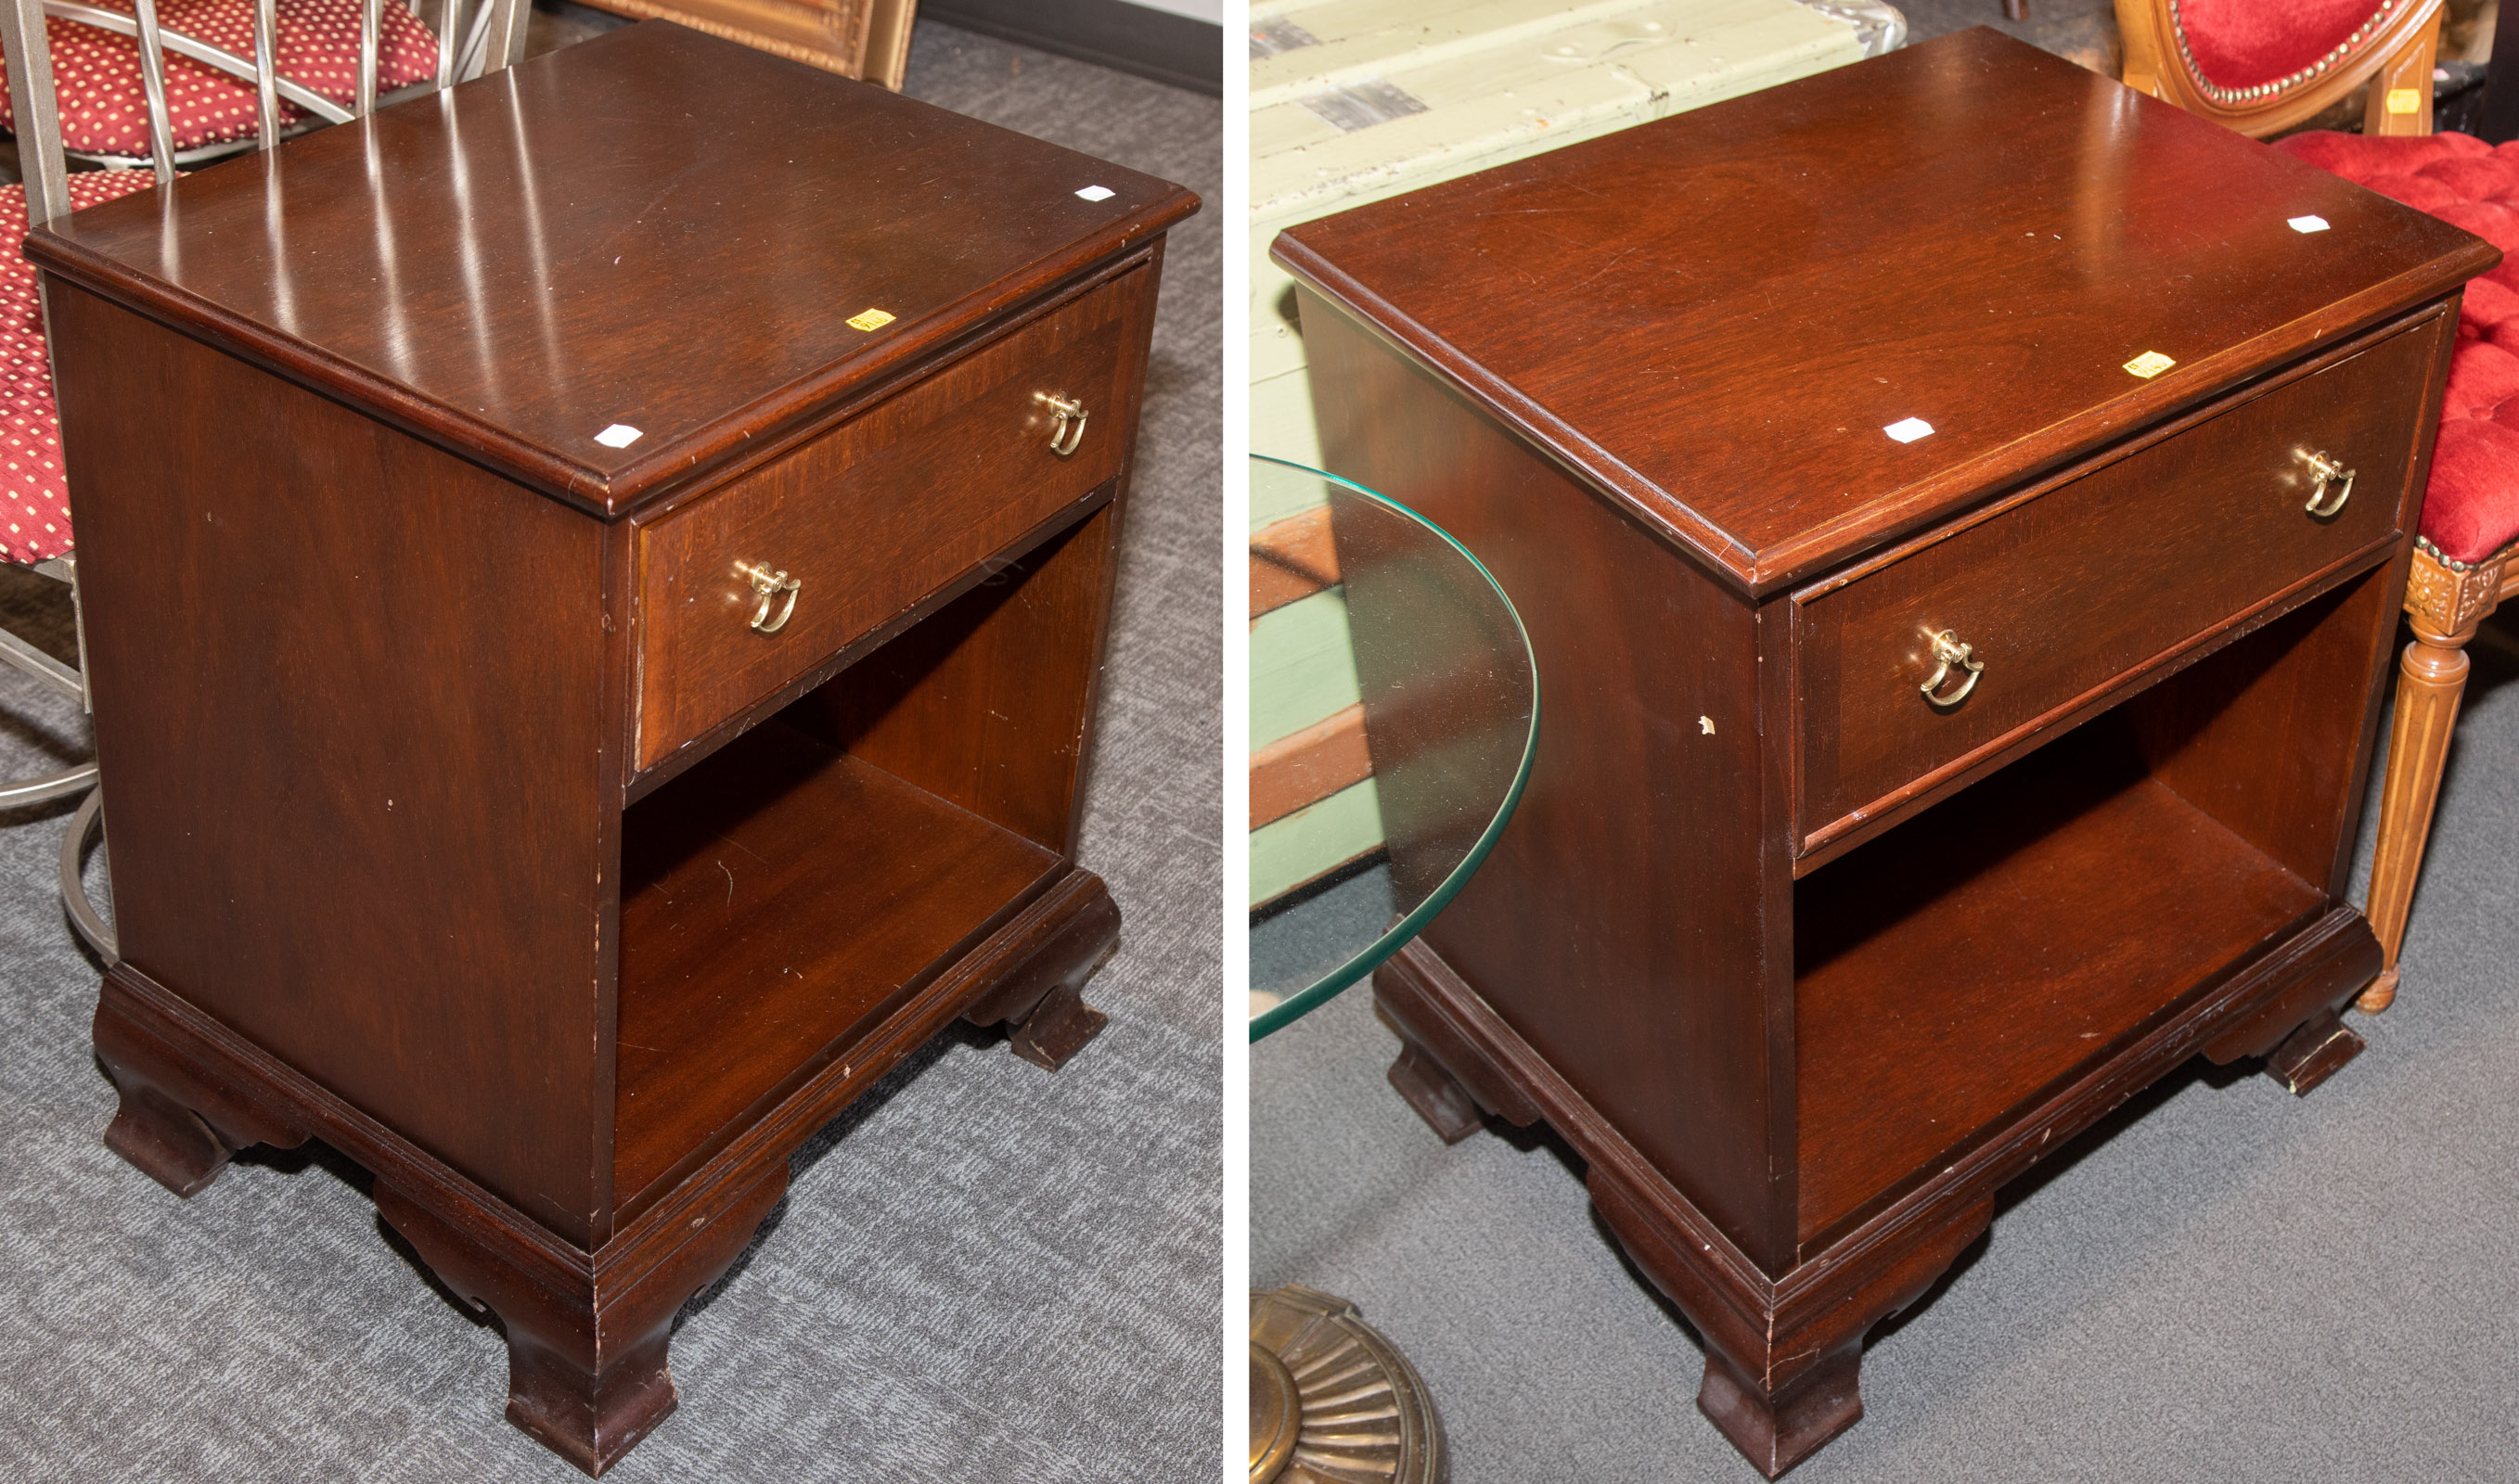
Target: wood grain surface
{"type": "Point", "coordinates": [775, 900]}
{"type": "Point", "coordinates": [1601, 301]}
{"type": "Point", "coordinates": [491, 269]}
{"type": "Point", "coordinates": [2065, 592]}
{"type": "Point", "coordinates": [878, 513]}
{"type": "Point", "coordinates": [314, 704]}
{"type": "Point", "coordinates": [1645, 380]}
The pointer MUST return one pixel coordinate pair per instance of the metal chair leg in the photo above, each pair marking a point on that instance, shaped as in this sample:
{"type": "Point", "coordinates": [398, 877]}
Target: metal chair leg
{"type": "Point", "coordinates": [91, 924]}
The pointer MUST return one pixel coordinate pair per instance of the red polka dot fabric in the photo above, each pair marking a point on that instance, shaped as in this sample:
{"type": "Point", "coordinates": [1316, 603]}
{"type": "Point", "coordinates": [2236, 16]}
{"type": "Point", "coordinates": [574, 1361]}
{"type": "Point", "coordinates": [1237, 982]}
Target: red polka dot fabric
{"type": "Point", "coordinates": [34, 498]}
{"type": "Point", "coordinates": [95, 72]}
{"type": "Point", "coordinates": [2471, 506]}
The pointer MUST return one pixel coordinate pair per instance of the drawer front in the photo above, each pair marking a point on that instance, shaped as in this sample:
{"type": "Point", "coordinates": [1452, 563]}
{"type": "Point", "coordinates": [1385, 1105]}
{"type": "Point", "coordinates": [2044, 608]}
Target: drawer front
{"type": "Point", "coordinates": [2063, 592]}
{"type": "Point", "coordinates": [880, 512]}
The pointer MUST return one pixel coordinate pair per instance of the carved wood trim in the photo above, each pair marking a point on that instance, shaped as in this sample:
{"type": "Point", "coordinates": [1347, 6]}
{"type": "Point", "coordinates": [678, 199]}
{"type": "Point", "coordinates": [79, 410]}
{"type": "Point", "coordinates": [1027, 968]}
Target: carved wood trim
{"type": "Point", "coordinates": [2400, 49]}
{"type": "Point", "coordinates": [865, 39]}
{"type": "Point", "coordinates": [2446, 598]}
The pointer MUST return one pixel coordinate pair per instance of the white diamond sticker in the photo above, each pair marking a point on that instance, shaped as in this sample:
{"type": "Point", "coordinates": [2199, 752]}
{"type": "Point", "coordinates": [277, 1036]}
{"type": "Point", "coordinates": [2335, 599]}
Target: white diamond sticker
{"type": "Point", "coordinates": [1909, 429]}
{"type": "Point", "coordinates": [619, 435]}
{"type": "Point", "coordinates": [2307, 224]}
{"type": "Point", "coordinates": [1097, 192]}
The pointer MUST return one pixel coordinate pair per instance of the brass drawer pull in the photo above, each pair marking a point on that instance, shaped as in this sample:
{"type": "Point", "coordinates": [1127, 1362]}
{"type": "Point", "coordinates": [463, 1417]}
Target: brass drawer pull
{"type": "Point", "coordinates": [1948, 649]}
{"type": "Point", "coordinates": [1066, 432]}
{"type": "Point", "coordinates": [770, 586]}
{"type": "Point", "coordinates": [2328, 471]}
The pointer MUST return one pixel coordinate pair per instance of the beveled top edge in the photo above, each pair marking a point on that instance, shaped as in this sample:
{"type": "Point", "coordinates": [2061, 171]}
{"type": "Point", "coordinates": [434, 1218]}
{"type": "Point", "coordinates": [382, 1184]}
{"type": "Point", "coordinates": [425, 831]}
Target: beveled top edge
{"type": "Point", "coordinates": [1756, 562]}
{"type": "Point", "coordinates": [640, 484]}
{"type": "Point", "coordinates": [113, 260]}
{"type": "Point", "coordinates": [1761, 573]}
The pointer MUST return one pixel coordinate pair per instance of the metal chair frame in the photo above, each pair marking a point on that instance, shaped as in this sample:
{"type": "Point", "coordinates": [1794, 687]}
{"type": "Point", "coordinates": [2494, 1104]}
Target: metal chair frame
{"type": "Point", "coordinates": [492, 37]}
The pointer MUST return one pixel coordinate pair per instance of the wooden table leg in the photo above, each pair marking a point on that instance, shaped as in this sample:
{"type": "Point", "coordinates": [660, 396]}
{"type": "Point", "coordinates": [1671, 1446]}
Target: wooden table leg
{"type": "Point", "coordinates": [2444, 605]}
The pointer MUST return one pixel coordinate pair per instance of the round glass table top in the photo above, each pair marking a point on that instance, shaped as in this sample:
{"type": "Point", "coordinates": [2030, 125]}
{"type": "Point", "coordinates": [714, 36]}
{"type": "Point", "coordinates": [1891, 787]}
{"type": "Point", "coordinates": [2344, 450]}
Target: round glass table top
{"type": "Point", "coordinates": [1394, 708]}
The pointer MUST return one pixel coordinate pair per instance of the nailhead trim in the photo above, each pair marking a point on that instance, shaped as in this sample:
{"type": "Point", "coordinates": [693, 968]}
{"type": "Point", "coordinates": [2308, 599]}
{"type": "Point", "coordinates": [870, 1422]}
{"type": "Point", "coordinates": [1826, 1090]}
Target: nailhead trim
{"type": "Point", "coordinates": [2424, 545]}
{"type": "Point", "coordinates": [2264, 90]}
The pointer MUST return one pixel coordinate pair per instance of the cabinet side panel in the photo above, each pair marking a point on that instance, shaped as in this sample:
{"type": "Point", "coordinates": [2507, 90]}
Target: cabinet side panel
{"type": "Point", "coordinates": [1618, 925]}
{"type": "Point", "coordinates": [348, 695]}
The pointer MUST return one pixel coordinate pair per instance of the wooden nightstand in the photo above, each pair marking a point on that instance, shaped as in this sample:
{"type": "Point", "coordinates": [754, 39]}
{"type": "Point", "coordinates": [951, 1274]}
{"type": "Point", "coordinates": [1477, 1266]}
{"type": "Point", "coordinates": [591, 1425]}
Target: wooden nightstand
{"type": "Point", "coordinates": [1958, 507]}
{"type": "Point", "coordinates": [594, 586]}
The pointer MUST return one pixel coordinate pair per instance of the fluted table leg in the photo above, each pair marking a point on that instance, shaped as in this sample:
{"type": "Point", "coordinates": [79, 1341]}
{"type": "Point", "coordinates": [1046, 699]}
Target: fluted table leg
{"type": "Point", "coordinates": [2444, 606]}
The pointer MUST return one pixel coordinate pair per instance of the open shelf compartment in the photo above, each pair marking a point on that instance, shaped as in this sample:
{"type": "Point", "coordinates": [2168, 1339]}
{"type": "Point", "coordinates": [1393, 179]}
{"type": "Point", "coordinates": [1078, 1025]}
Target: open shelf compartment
{"type": "Point", "coordinates": [1956, 971]}
{"type": "Point", "coordinates": [788, 895]}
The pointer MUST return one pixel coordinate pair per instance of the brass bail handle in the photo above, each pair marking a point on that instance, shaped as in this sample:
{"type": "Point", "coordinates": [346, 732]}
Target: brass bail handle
{"type": "Point", "coordinates": [2328, 472]}
{"type": "Point", "coordinates": [770, 585]}
{"type": "Point", "coordinates": [1948, 649]}
{"type": "Point", "coordinates": [1067, 428]}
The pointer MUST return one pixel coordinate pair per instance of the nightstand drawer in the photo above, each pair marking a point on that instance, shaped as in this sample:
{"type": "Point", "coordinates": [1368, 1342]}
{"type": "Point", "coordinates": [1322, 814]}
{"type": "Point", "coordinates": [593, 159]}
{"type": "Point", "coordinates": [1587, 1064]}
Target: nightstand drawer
{"type": "Point", "coordinates": [750, 587]}
{"type": "Point", "coordinates": [2060, 594]}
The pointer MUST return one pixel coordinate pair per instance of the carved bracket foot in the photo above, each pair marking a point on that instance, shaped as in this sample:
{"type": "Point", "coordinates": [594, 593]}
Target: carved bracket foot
{"type": "Point", "coordinates": [587, 1337]}
{"type": "Point", "coordinates": [179, 1123]}
{"type": "Point", "coordinates": [1783, 1357]}
{"type": "Point", "coordinates": [2310, 1055]}
{"type": "Point", "coordinates": [1440, 1071]}
{"type": "Point", "coordinates": [1777, 1429]}
{"type": "Point", "coordinates": [1445, 1103]}
{"type": "Point", "coordinates": [1057, 1029]}
{"type": "Point", "coordinates": [1041, 1000]}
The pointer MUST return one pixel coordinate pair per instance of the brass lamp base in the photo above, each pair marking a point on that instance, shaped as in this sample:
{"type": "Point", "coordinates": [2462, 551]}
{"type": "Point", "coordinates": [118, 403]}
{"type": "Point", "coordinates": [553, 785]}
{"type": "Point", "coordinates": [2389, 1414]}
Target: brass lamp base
{"type": "Point", "coordinates": [1332, 1402]}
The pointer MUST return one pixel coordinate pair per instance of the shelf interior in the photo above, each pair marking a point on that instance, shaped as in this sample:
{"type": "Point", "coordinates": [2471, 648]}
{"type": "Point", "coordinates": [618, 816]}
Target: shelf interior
{"type": "Point", "coordinates": [1951, 972]}
{"type": "Point", "coordinates": [778, 901]}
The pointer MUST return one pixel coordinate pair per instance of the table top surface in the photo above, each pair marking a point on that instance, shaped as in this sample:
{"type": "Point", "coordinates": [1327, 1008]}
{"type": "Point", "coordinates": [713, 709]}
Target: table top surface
{"type": "Point", "coordinates": [1451, 716]}
{"type": "Point", "coordinates": [655, 229]}
{"type": "Point", "coordinates": [1721, 317]}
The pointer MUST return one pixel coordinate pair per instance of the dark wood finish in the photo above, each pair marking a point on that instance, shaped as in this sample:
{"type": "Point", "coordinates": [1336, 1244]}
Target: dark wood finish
{"type": "Point", "coordinates": [1630, 651]}
{"type": "Point", "coordinates": [1445, 1103]}
{"type": "Point", "coordinates": [875, 515]}
{"type": "Point", "coordinates": [776, 902]}
{"type": "Point", "coordinates": [1583, 295]}
{"type": "Point", "coordinates": [2312, 1054]}
{"type": "Point", "coordinates": [294, 682]}
{"type": "Point", "coordinates": [388, 872]}
{"type": "Point", "coordinates": [711, 312]}
{"type": "Point", "coordinates": [2065, 902]}
{"type": "Point", "coordinates": [1802, 984]}
{"type": "Point", "coordinates": [2192, 533]}
{"type": "Point", "coordinates": [587, 1369]}
{"type": "Point", "coordinates": [2443, 602]}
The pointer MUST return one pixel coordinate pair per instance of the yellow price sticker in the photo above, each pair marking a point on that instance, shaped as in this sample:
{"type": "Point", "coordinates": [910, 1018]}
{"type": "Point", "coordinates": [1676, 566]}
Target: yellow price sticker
{"type": "Point", "coordinates": [872, 319]}
{"type": "Point", "coordinates": [2405, 99]}
{"type": "Point", "coordinates": [2149, 364]}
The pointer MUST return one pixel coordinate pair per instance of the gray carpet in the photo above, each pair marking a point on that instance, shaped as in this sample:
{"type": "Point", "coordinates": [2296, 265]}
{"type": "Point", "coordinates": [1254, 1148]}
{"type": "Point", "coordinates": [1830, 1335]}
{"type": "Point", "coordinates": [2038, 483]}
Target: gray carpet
{"type": "Point", "coordinates": [983, 1272]}
{"type": "Point", "coordinates": [2223, 1282]}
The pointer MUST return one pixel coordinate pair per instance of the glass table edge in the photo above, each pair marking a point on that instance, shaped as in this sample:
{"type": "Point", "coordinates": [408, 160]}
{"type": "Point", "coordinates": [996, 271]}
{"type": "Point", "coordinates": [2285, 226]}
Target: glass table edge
{"type": "Point", "coordinates": [1295, 1007]}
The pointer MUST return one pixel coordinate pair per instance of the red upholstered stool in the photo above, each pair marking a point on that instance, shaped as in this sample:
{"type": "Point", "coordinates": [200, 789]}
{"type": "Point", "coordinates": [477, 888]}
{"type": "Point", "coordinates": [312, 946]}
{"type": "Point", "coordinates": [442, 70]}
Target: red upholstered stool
{"type": "Point", "coordinates": [34, 496]}
{"type": "Point", "coordinates": [2261, 67]}
{"type": "Point", "coordinates": [95, 72]}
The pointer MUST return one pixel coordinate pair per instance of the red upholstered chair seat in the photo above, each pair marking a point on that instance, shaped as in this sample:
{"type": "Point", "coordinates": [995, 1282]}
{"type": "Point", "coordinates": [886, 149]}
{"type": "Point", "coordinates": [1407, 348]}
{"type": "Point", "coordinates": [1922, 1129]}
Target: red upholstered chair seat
{"type": "Point", "coordinates": [2246, 49]}
{"type": "Point", "coordinates": [34, 496]}
{"type": "Point", "coordinates": [2471, 507]}
{"type": "Point", "coordinates": [95, 72]}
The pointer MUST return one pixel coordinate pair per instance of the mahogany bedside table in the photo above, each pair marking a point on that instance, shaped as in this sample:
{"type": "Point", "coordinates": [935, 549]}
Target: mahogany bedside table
{"type": "Point", "coordinates": [1958, 507]}
{"type": "Point", "coordinates": [594, 589]}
